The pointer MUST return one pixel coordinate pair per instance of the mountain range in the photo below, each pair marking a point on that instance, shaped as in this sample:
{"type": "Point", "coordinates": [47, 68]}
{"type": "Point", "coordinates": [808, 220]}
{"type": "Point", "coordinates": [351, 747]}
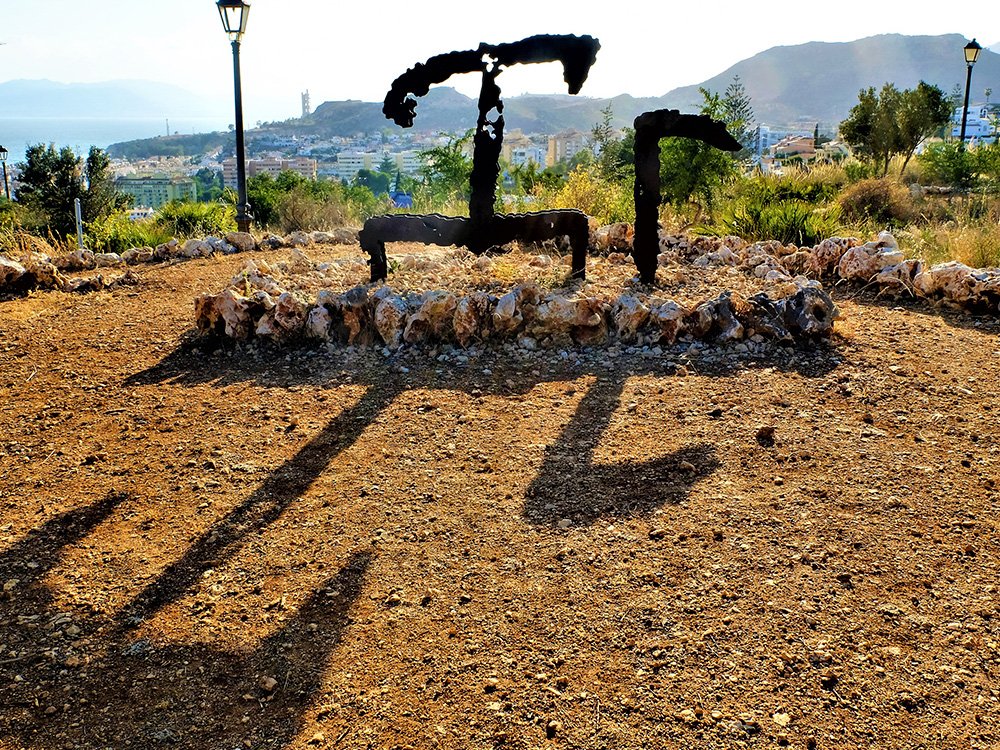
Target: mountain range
{"type": "Point", "coordinates": [816, 82]}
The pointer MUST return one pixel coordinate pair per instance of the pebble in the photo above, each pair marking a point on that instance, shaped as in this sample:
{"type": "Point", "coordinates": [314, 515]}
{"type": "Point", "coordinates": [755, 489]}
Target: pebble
{"type": "Point", "coordinates": [268, 684]}
{"type": "Point", "coordinates": [565, 523]}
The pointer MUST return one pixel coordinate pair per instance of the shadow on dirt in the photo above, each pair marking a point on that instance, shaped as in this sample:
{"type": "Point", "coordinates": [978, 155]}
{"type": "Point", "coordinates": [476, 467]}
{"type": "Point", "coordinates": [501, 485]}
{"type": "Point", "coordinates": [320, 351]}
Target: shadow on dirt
{"type": "Point", "coordinates": [74, 685]}
{"type": "Point", "coordinates": [570, 486]}
{"type": "Point", "coordinates": [92, 684]}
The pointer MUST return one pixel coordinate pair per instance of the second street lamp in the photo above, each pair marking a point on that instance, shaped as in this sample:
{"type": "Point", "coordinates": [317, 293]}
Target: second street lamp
{"type": "Point", "coordinates": [234, 14]}
{"type": "Point", "coordinates": [3, 160]}
{"type": "Point", "coordinates": [972, 50]}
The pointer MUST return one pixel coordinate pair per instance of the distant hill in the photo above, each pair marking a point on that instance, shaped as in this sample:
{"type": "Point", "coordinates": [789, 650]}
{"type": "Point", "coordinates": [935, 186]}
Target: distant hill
{"type": "Point", "coordinates": [805, 83]}
{"type": "Point", "coordinates": [813, 82]}
{"type": "Point", "coordinates": [820, 81]}
{"type": "Point", "coordinates": [108, 100]}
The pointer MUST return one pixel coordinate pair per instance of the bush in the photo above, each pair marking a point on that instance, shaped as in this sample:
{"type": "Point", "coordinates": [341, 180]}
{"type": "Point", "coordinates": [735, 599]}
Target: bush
{"type": "Point", "coordinates": [882, 201]}
{"type": "Point", "coordinates": [116, 234]}
{"type": "Point", "coordinates": [607, 201]}
{"type": "Point", "coordinates": [183, 220]}
{"type": "Point", "coordinates": [788, 221]}
{"type": "Point", "coordinates": [976, 246]}
{"type": "Point", "coordinates": [948, 164]}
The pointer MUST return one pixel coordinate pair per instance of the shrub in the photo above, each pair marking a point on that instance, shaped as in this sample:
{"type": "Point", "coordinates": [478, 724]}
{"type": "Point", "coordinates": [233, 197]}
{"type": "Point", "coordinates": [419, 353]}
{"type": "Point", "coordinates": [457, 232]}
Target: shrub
{"type": "Point", "coordinates": [789, 221]}
{"type": "Point", "coordinates": [116, 234]}
{"type": "Point", "coordinates": [882, 201]}
{"type": "Point", "coordinates": [607, 201]}
{"type": "Point", "coordinates": [184, 220]}
{"type": "Point", "coordinates": [976, 246]}
{"type": "Point", "coordinates": [948, 164]}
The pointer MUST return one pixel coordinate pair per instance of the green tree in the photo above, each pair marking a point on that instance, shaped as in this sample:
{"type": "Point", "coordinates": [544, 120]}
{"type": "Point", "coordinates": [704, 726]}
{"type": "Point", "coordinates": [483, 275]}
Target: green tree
{"type": "Point", "coordinates": [893, 122]}
{"type": "Point", "coordinates": [52, 180]}
{"type": "Point", "coordinates": [614, 156]}
{"type": "Point", "coordinates": [692, 173]}
{"type": "Point", "coordinates": [378, 182]}
{"type": "Point", "coordinates": [923, 111]}
{"type": "Point", "coordinates": [387, 165]}
{"type": "Point", "coordinates": [737, 113]}
{"type": "Point", "coordinates": [209, 185]}
{"type": "Point", "coordinates": [100, 198]}
{"type": "Point", "coordinates": [446, 169]}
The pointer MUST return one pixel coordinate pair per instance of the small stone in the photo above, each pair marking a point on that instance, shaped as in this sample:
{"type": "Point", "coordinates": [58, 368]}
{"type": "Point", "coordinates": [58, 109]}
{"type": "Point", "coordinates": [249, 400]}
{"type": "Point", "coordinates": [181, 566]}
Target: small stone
{"type": "Point", "coordinates": [781, 719]}
{"type": "Point", "coordinates": [268, 684]}
{"type": "Point", "coordinates": [565, 523]}
{"type": "Point", "coordinates": [687, 466]}
{"type": "Point", "coordinates": [765, 436]}
{"type": "Point", "coordinates": [553, 728]}
{"type": "Point", "coordinates": [317, 739]}
{"type": "Point", "coordinates": [50, 710]}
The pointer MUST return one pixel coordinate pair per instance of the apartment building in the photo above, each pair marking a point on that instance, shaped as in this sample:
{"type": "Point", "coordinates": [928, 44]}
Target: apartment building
{"type": "Point", "coordinates": [158, 190]}
{"type": "Point", "coordinates": [273, 166]}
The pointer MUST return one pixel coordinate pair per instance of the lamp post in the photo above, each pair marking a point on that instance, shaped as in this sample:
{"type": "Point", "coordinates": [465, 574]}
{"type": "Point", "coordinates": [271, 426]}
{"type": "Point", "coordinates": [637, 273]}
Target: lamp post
{"type": "Point", "coordinates": [3, 160]}
{"type": "Point", "coordinates": [234, 15]}
{"type": "Point", "coordinates": [972, 50]}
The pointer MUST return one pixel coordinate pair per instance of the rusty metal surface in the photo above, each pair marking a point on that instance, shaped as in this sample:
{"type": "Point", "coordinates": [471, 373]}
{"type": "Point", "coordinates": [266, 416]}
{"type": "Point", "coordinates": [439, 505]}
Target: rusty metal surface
{"type": "Point", "coordinates": [650, 128]}
{"type": "Point", "coordinates": [484, 229]}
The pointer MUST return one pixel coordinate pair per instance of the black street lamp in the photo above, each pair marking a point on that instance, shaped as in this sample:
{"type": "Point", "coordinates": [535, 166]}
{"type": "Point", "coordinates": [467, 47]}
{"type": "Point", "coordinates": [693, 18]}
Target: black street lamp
{"type": "Point", "coordinates": [3, 160]}
{"type": "Point", "coordinates": [972, 50]}
{"type": "Point", "coordinates": [234, 15]}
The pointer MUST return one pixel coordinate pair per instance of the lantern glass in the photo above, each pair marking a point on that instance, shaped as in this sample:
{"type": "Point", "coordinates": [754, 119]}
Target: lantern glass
{"type": "Point", "coordinates": [3, 153]}
{"type": "Point", "coordinates": [234, 15]}
{"type": "Point", "coordinates": [972, 50]}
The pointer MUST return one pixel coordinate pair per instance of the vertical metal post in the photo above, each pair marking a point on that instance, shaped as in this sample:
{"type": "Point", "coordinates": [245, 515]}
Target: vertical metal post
{"type": "Point", "coordinates": [79, 223]}
{"type": "Point", "coordinates": [243, 215]}
{"type": "Point", "coordinates": [965, 109]}
{"type": "Point", "coordinates": [6, 184]}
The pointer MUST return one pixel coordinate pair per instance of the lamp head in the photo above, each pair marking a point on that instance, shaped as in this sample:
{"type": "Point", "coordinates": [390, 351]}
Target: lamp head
{"type": "Point", "coordinates": [972, 50]}
{"type": "Point", "coordinates": [234, 14]}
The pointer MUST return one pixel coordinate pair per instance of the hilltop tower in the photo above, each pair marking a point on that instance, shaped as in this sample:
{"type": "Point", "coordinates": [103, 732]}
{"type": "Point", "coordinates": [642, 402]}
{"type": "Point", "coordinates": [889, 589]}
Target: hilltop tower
{"type": "Point", "coordinates": [306, 104]}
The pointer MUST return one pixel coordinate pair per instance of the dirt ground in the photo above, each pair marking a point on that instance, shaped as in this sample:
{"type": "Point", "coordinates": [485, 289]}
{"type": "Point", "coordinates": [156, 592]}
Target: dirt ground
{"type": "Point", "coordinates": [315, 549]}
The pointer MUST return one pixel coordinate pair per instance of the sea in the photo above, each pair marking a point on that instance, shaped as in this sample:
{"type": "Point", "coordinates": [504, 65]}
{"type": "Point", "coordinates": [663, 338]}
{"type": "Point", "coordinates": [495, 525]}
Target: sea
{"type": "Point", "coordinates": [17, 134]}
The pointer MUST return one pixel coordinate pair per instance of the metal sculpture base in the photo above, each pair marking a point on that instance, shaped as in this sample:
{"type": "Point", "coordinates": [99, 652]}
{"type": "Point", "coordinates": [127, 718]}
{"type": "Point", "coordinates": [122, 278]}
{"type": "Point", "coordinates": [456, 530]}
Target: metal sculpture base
{"type": "Point", "coordinates": [499, 230]}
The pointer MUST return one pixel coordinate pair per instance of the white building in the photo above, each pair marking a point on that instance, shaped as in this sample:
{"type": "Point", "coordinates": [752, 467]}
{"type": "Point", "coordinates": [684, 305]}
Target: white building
{"type": "Point", "coordinates": [980, 122]}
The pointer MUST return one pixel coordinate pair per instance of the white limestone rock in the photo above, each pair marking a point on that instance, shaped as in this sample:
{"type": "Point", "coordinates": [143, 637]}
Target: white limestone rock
{"type": "Point", "coordinates": [864, 262]}
{"type": "Point", "coordinates": [318, 323]}
{"type": "Point", "coordinates": [433, 319]}
{"type": "Point", "coordinates": [825, 257]}
{"type": "Point", "coordinates": [667, 319]}
{"type": "Point", "coordinates": [629, 315]}
{"type": "Point", "coordinates": [108, 260]}
{"type": "Point", "coordinates": [582, 318]}
{"type": "Point", "coordinates": [472, 318]}
{"type": "Point", "coordinates": [515, 308]}
{"type": "Point", "coordinates": [11, 273]}
{"type": "Point", "coordinates": [390, 319]}
{"type": "Point", "coordinates": [232, 308]}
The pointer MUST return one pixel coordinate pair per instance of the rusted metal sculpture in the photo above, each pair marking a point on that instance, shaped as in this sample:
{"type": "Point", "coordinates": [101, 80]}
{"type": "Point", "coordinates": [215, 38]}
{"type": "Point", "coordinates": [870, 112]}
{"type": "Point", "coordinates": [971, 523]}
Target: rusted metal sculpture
{"type": "Point", "coordinates": [650, 127]}
{"type": "Point", "coordinates": [484, 228]}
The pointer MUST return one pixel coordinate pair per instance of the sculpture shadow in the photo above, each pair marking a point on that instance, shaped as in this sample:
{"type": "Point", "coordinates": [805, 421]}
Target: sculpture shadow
{"type": "Point", "coordinates": [106, 690]}
{"type": "Point", "coordinates": [571, 487]}
{"type": "Point", "coordinates": [615, 489]}
{"type": "Point", "coordinates": [198, 695]}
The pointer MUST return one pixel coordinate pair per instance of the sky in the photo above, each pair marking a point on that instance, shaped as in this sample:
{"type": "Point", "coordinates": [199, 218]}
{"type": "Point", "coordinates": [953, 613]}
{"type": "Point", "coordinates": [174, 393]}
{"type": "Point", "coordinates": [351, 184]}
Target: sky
{"type": "Point", "coordinates": [353, 50]}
